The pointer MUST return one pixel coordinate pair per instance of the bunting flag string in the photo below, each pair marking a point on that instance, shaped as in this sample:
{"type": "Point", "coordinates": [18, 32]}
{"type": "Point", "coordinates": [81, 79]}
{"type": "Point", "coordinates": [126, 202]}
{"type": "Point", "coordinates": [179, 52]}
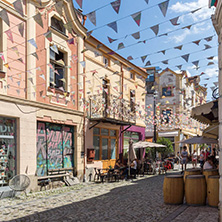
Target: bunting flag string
{"type": "Point", "coordinates": [137, 17]}
{"type": "Point", "coordinates": [92, 17]}
{"type": "Point", "coordinates": [163, 7]}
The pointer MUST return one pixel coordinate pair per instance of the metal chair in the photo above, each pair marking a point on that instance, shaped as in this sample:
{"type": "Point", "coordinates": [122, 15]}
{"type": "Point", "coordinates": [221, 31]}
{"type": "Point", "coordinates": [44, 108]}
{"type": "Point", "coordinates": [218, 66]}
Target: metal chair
{"type": "Point", "coordinates": [19, 183]}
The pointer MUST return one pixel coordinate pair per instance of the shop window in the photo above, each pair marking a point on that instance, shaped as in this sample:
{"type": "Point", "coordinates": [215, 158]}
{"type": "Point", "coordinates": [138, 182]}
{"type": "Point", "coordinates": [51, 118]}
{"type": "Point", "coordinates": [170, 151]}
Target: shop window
{"type": "Point", "coordinates": [96, 131]}
{"type": "Point", "coordinates": [105, 144]}
{"type": "Point", "coordinates": [58, 25]}
{"type": "Point", "coordinates": [132, 100]}
{"type": "Point", "coordinates": [167, 91]}
{"type": "Point", "coordinates": [57, 74]}
{"type": "Point", "coordinates": [55, 147]}
{"type": "Point", "coordinates": [7, 150]}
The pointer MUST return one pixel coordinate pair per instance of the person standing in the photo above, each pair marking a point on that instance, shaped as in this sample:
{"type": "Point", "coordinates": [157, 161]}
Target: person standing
{"type": "Point", "coordinates": [194, 159]}
{"type": "Point", "coordinates": [184, 155]}
{"type": "Point", "coordinates": [201, 159]}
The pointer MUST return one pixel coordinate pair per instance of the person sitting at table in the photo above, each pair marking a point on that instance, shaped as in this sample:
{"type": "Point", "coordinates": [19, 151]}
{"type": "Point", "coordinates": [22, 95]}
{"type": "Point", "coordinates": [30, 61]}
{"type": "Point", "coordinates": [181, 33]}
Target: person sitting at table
{"type": "Point", "coordinates": [209, 163]}
{"type": "Point", "coordinates": [118, 164]}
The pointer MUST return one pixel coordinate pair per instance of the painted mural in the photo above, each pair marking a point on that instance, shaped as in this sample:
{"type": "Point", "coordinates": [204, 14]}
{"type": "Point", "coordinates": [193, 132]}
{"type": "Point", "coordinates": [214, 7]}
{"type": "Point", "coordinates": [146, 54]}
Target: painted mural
{"type": "Point", "coordinates": [54, 147]}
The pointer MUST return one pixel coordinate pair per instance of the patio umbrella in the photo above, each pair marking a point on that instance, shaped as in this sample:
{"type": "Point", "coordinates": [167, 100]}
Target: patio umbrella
{"type": "Point", "coordinates": [199, 140]}
{"type": "Point", "coordinates": [144, 144]}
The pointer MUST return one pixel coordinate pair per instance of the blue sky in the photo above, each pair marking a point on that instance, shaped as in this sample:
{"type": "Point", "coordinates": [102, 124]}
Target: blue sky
{"type": "Point", "coordinates": [151, 15]}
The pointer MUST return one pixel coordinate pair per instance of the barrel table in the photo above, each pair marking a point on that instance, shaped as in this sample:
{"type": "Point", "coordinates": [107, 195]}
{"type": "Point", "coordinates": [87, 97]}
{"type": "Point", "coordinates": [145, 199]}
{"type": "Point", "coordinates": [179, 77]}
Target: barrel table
{"type": "Point", "coordinates": [213, 190]}
{"type": "Point", "coordinates": [210, 172]}
{"type": "Point", "coordinates": [191, 172]}
{"type": "Point", "coordinates": [195, 190]}
{"type": "Point", "coordinates": [173, 189]}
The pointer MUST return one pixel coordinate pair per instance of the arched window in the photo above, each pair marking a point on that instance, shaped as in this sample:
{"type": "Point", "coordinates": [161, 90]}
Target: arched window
{"type": "Point", "coordinates": [58, 25]}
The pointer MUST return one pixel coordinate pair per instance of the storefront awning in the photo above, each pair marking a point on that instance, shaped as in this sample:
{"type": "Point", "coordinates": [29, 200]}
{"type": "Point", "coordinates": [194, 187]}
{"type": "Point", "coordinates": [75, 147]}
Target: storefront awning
{"type": "Point", "coordinates": [206, 113]}
{"type": "Point", "coordinates": [211, 131]}
{"type": "Point", "coordinates": [168, 134]}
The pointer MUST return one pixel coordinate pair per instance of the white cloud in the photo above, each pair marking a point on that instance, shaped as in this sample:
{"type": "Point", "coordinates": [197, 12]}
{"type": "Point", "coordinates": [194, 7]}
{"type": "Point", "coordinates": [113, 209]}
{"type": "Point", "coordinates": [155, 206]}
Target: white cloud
{"type": "Point", "coordinates": [201, 14]}
{"type": "Point", "coordinates": [196, 29]}
{"type": "Point", "coordinates": [211, 72]}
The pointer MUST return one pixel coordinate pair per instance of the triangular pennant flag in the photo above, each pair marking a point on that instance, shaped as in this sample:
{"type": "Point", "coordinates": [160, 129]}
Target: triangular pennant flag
{"type": "Point", "coordinates": [174, 21]}
{"type": "Point", "coordinates": [207, 46]}
{"type": "Point", "coordinates": [197, 42]}
{"type": "Point", "coordinates": [71, 41]}
{"type": "Point", "coordinates": [147, 1]}
{"type": "Point", "coordinates": [83, 63]}
{"type": "Point", "coordinates": [179, 47]}
{"type": "Point", "coordinates": [186, 57]}
{"type": "Point", "coordinates": [18, 82]}
{"type": "Point", "coordinates": [121, 46]}
{"type": "Point", "coordinates": [163, 51]}
{"type": "Point", "coordinates": [163, 7]}
{"type": "Point", "coordinates": [143, 58]}
{"type": "Point", "coordinates": [35, 55]}
{"type": "Point", "coordinates": [116, 5]}
{"type": "Point", "coordinates": [54, 49]}
{"type": "Point", "coordinates": [155, 29]}
{"type": "Point", "coordinates": [9, 34]}
{"type": "Point", "coordinates": [195, 10]}
{"type": "Point", "coordinates": [38, 19]}
{"type": "Point", "coordinates": [21, 29]}
{"type": "Point", "coordinates": [41, 93]}
{"type": "Point", "coordinates": [42, 76]}
{"type": "Point", "coordinates": [59, 7]}
{"type": "Point", "coordinates": [208, 39]}
{"type": "Point", "coordinates": [111, 40]}
{"type": "Point", "coordinates": [136, 35]}
{"type": "Point", "coordinates": [137, 17]}
{"type": "Point", "coordinates": [2, 56]}
{"type": "Point", "coordinates": [211, 57]}
{"type": "Point", "coordinates": [89, 33]}
{"type": "Point", "coordinates": [216, 84]}
{"type": "Point", "coordinates": [32, 42]}
{"type": "Point", "coordinates": [15, 49]}
{"type": "Point", "coordinates": [179, 67]}
{"type": "Point", "coordinates": [187, 27]}
{"type": "Point", "coordinates": [212, 88]}
{"type": "Point", "coordinates": [148, 63]}
{"type": "Point", "coordinates": [31, 80]}
{"type": "Point", "coordinates": [92, 17]}
{"type": "Point", "coordinates": [129, 58]}
{"type": "Point", "coordinates": [79, 3]}
{"type": "Point", "coordinates": [165, 62]}
{"type": "Point", "coordinates": [196, 63]}
{"type": "Point", "coordinates": [18, 7]}
{"type": "Point", "coordinates": [4, 16]}
{"type": "Point", "coordinates": [210, 63]}
{"type": "Point", "coordinates": [113, 25]}
{"type": "Point", "coordinates": [20, 60]}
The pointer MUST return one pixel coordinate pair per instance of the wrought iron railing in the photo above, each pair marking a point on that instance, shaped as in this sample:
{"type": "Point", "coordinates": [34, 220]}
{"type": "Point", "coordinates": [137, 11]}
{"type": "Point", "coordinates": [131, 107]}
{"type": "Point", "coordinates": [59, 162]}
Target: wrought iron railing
{"type": "Point", "coordinates": [110, 107]}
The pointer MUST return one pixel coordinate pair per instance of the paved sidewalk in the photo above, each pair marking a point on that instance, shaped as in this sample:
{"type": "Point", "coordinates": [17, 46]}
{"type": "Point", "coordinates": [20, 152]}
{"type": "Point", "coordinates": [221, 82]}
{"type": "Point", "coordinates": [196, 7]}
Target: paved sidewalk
{"type": "Point", "coordinates": [139, 200]}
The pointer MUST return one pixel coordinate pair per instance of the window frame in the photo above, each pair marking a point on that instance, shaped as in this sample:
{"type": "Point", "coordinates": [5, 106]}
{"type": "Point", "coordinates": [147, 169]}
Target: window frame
{"type": "Point", "coordinates": [109, 137]}
{"type": "Point", "coordinates": [56, 29]}
{"type": "Point", "coordinates": [55, 63]}
{"type": "Point", "coordinates": [133, 75]}
{"type": "Point", "coordinates": [171, 91]}
{"type": "Point", "coordinates": [108, 61]}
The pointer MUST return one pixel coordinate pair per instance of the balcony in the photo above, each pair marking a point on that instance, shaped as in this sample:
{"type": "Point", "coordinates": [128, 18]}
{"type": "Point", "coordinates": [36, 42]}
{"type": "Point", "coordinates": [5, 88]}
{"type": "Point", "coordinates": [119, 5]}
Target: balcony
{"type": "Point", "coordinates": [111, 109]}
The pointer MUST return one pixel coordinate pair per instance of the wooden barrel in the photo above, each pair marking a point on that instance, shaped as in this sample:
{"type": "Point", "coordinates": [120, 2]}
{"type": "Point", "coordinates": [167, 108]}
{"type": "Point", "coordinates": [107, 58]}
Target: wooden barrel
{"type": "Point", "coordinates": [173, 189]}
{"type": "Point", "coordinates": [210, 172]}
{"type": "Point", "coordinates": [195, 190]}
{"type": "Point", "coordinates": [213, 190]}
{"type": "Point", "coordinates": [191, 172]}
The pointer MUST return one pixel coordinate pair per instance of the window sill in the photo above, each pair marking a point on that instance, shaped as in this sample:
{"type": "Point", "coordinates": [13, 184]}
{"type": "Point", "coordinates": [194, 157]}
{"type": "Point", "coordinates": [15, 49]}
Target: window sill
{"type": "Point", "coordinates": [57, 91]}
{"type": "Point", "coordinates": [59, 33]}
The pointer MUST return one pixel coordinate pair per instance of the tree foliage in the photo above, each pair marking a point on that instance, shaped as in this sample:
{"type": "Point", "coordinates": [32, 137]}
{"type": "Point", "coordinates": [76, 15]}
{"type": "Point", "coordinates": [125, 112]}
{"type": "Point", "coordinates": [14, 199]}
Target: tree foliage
{"type": "Point", "coordinates": [166, 150]}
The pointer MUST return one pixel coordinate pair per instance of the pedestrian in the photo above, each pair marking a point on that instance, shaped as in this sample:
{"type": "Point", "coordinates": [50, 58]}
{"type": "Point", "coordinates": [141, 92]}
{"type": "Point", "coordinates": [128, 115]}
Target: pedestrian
{"type": "Point", "coordinates": [201, 159]}
{"type": "Point", "coordinates": [178, 159]}
{"type": "Point", "coordinates": [207, 153]}
{"type": "Point", "coordinates": [133, 168]}
{"type": "Point", "coordinates": [194, 159]}
{"type": "Point", "coordinates": [184, 155]}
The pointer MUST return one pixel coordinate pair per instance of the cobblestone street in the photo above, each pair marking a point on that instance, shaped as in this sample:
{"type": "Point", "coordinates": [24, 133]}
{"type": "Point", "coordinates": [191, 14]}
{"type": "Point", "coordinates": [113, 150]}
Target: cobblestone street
{"type": "Point", "coordinates": [139, 200]}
